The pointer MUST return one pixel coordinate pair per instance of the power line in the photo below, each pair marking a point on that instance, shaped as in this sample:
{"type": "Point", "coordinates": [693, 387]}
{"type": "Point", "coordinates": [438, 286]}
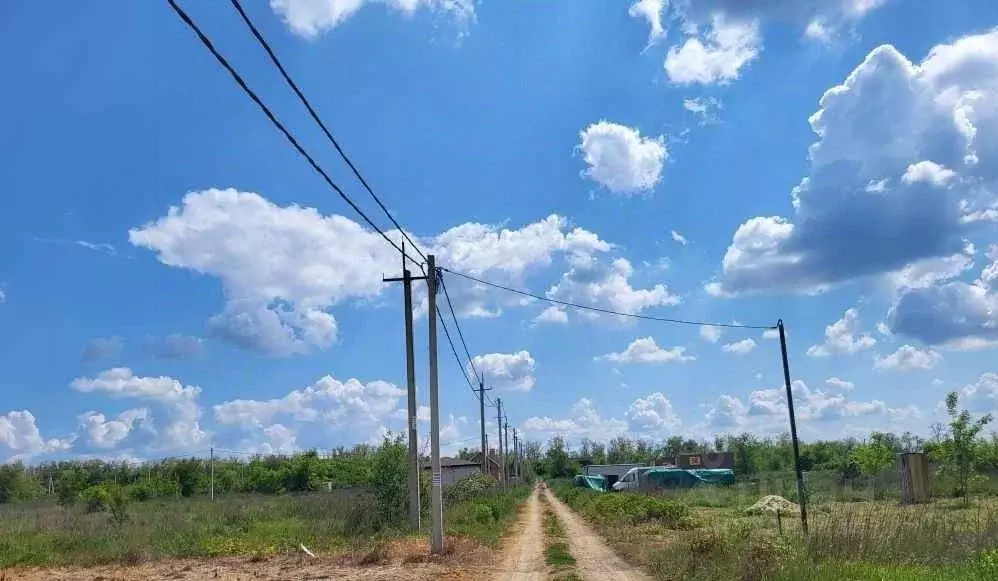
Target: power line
{"type": "Point", "coordinates": [315, 117]}
{"type": "Point", "coordinates": [602, 310]}
{"type": "Point", "coordinates": [277, 123]}
{"type": "Point", "coordinates": [456, 356]}
{"type": "Point", "coordinates": [459, 333]}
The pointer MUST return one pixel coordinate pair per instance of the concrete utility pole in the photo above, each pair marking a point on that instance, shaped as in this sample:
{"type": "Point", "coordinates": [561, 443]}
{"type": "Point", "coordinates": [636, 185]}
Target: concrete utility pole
{"type": "Point", "coordinates": [410, 375]}
{"type": "Point", "coordinates": [502, 459]}
{"type": "Point", "coordinates": [516, 456]}
{"type": "Point", "coordinates": [436, 496]}
{"type": "Point", "coordinates": [481, 418]}
{"type": "Point", "coordinates": [211, 469]}
{"type": "Point", "coordinates": [506, 431]}
{"type": "Point", "coordinates": [801, 489]}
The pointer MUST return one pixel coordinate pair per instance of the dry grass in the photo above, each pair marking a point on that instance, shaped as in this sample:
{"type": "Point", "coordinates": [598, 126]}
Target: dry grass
{"type": "Point", "coordinates": [854, 540]}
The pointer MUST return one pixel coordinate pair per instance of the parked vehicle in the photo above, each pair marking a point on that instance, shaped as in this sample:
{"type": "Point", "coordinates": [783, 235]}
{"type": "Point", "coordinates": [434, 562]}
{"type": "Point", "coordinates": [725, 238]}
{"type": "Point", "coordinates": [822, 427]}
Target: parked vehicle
{"type": "Point", "coordinates": [611, 472]}
{"type": "Point", "coordinates": [661, 478]}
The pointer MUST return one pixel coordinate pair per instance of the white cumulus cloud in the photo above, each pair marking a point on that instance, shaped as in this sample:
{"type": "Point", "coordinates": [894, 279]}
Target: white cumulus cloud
{"type": "Point", "coordinates": [908, 358]}
{"type": "Point", "coordinates": [842, 337]}
{"type": "Point", "coordinates": [309, 18]}
{"type": "Point", "coordinates": [510, 371]}
{"type": "Point", "coordinates": [620, 159]}
{"type": "Point", "coordinates": [646, 350]}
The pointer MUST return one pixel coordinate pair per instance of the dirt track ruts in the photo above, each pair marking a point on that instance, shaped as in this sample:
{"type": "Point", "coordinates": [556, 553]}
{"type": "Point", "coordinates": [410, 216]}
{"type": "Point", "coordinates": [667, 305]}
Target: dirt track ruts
{"type": "Point", "coordinates": [523, 559]}
{"type": "Point", "coordinates": [594, 560]}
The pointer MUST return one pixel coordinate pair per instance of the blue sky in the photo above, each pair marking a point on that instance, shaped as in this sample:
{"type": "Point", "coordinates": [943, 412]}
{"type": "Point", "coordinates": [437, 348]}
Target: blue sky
{"type": "Point", "coordinates": [174, 276]}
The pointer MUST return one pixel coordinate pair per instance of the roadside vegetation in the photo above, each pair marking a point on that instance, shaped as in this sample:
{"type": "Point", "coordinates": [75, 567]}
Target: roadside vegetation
{"type": "Point", "coordinates": [858, 529]}
{"type": "Point", "coordinates": [560, 561]}
{"type": "Point", "coordinates": [97, 513]}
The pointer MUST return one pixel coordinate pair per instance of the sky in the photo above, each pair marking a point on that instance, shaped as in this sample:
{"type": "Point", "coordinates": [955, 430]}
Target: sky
{"type": "Point", "coordinates": [175, 277]}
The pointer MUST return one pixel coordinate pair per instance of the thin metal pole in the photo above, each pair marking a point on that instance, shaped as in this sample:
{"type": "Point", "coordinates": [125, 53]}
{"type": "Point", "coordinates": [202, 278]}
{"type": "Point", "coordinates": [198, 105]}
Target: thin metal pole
{"type": "Point", "coordinates": [502, 459]}
{"type": "Point", "coordinates": [436, 496]}
{"type": "Point", "coordinates": [410, 376]}
{"type": "Point", "coordinates": [211, 469]}
{"type": "Point", "coordinates": [801, 497]}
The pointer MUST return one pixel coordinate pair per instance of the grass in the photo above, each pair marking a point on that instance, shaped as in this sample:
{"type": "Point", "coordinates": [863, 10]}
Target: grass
{"type": "Point", "coordinates": [560, 561]}
{"type": "Point", "coordinates": [48, 534]}
{"type": "Point", "coordinates": [486, 518]}
{"type": "Point", "coordinates": [858, 540]}
{"type": "Point", "coordinates": [340, 521]}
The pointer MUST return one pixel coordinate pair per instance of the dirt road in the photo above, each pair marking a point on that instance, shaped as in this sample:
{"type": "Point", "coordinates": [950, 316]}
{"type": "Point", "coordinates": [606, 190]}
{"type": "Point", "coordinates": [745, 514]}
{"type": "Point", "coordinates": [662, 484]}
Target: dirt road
{"type": "Point", "coordinates": [595, 561]}
{"type": "Point", "coordinates": [523, 559]}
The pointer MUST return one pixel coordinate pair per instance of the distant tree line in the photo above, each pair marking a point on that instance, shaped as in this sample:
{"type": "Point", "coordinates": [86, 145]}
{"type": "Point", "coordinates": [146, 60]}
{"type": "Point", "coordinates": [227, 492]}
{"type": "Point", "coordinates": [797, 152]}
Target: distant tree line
{"type": "Point", "coordinates": [959, 452]}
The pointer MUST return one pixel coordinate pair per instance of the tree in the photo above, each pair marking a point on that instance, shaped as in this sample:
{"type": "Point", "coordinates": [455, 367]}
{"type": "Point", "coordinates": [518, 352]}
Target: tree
{"type": "Point", "coordinates": [960, 449]}
{"type": "Point", "coordinates": [556, 459]}
{"type": "Point", "coordinates": [872, 458]}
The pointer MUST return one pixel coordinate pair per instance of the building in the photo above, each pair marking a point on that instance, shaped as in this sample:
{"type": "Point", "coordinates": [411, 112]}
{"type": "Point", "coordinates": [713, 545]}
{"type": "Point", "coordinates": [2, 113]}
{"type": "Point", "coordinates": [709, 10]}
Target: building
{"type": "Point", "coordinates": [454, 469]}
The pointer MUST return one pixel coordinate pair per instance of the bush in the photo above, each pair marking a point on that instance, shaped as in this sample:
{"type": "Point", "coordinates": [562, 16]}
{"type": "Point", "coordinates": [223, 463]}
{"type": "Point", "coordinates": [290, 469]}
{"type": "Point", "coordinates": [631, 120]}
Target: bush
{"type": "Point", "coordinates": [625, 507]}
{"type": "Point", "coordinates": [468, 488]}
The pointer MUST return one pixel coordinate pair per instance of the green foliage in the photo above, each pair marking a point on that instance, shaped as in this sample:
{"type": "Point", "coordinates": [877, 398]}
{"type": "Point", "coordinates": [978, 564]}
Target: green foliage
{"type": "Point", "coordinates": [486, 517]}
{"type": "Point", "coordinates": [961, 451]}
{"type": "Point", "coordinates": [625, 507]}
{"type": "Point", "coordinates": [389, 480]}
{"type": "Point", "coordinates": [16, 484]}
{"type": "Point", "coordinates": [872, 458]}
{"type": "Point", "coordinates": [469, 487]}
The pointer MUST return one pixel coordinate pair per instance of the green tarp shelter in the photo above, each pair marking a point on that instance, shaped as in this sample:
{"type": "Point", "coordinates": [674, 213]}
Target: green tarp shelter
{"type": "Point", "coordinates": [680, 478]}
{"type": "Point", "coordinates": [592, 482]}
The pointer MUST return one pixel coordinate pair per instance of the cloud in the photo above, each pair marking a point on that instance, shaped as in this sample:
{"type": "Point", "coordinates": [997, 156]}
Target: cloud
{"type": "Point", "coordinates": [766, 409]}
{"type": "Point", "coordinates": [652, 11]}
{"type": "Point", "coordinates": [592, 283]}
{"type": "Point", "coordinates": [620, 159]}
{"type": "Point", "coordinates": [309, 18]}
{"type": "Point", "coordinates": [177, 401]}
{"type": "Point", "coordinates": [742, 347]}
{"type": "Point", "coordinates": [841, 337]}
{"type": "Point", "coordinates": [552, 315]}
{"type": "Point", "coordinates": [717, 56]}
{"type": "Point", "coordinates": [280, 267]}
{"type": "Point", "coordinates": [840, 384]}
{"type": "Point", "coordinates": [103, 348]}
{"type": "Point", "coordinates": [506, 256]}
{"type": "Point", "coordinates": [510, 371]}
{"type": "Point", "coordinates": [679, 238]}
{"type": "Point", "coordinates": [771, 334]}
{"type": "Point", "coordinates": [20, 437]}
{"type": "Point", "coordinates": [703, 108]}
{"type": "Point", "coordinates": [955, 314]}
{"type": "Point", "coordinates": [283, 269]}
{"type": "Point", "coordinates": [908, 358]}
{"type": "Point", "coordinates": [652, 416]}
{"type": "Point", "coordinates": [339, 404]}
{"type": "Point", "coordinates": [584, 421]}
{"type": "Point", "coordinates": [177, 346]}
{"type": "Point", "coordinates": [889, 119]}
{"type": "Point", "coordinates": [982, 395]}
{"type": "Point", "coordinates": [106, 434]}
{"type": "Point", "coordinates": [710, 333]}
{"type": "Point", "coordinates": [645, 350]}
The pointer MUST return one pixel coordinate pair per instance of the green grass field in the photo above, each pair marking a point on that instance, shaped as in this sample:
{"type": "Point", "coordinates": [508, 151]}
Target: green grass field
{"type": "Point", "coordinates": [45, 533]}
{"type": "Point", "coordinates": [705, 534]}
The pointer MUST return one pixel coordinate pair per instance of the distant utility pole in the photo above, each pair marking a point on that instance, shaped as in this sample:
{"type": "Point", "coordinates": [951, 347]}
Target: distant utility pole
{"type": "Point", "coordinates": [801, 492]}
{"type": "Point", "coordinates": [502, 459]}
{"type": "Point", "coordinates": [481, 417]}
{"type": "Point", "coordinates": [410, 376]}
{"type": "Point", "coordinates": [516, 456]}
{"type": "Point", "coordinates": [506, 431]}
{"type": "Point", "coordinates": [436, 496]}
{"type": "Point", "coordinates": [211, 470]}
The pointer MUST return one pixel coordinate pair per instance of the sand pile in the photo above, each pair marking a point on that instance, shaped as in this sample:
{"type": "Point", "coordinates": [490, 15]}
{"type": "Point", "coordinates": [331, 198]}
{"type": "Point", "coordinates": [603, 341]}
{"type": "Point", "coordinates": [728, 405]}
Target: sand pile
{"type": "Point", "coordinates": [773, 504]}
